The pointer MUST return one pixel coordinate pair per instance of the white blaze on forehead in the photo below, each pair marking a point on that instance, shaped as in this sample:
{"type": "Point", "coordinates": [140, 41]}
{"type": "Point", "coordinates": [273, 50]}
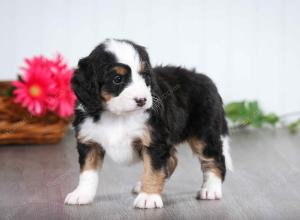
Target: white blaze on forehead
{"type": "Point", "coordinates": [125, 53]}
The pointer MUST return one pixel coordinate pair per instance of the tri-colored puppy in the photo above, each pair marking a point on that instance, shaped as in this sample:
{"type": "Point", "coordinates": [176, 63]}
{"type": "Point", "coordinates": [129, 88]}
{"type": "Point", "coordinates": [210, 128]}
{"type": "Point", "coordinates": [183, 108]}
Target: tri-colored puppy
{"type": "Point", "coordinates": [131, 111]}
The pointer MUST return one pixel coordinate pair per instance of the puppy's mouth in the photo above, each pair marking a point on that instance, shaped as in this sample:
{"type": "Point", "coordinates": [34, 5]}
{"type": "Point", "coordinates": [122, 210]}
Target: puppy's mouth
{"type": "Point", "coordinates": [136, 109]}
{"type": "Point", "coordinates": [122, 106]}
{"type": "Point", "coordinates": [130, 111]}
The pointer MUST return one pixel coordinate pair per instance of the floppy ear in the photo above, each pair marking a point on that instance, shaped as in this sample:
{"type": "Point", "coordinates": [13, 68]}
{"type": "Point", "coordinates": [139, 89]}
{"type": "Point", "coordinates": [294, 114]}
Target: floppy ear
{"type": "Point", "coordinates": [86, 87]}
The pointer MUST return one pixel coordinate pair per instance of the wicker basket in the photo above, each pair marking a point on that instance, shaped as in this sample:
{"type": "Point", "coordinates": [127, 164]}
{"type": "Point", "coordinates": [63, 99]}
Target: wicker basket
{"type": "Point", "coordinates": [18, 126]}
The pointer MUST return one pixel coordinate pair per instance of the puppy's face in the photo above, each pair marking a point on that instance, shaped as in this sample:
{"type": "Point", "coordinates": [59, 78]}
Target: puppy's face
{"type": "Point", "coordinates": [119, 73]}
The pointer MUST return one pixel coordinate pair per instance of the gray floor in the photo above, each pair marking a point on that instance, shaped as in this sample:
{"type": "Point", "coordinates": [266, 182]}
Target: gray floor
{"type": "Point", "coordinates": [265, 184]}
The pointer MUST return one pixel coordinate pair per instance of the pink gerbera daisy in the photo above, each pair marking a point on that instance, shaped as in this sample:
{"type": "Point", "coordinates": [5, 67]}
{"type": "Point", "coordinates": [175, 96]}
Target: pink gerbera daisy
{"type": "Point", "coordinates": [36, 85]}
{"type": "Point", "coordinates": [63, 98]}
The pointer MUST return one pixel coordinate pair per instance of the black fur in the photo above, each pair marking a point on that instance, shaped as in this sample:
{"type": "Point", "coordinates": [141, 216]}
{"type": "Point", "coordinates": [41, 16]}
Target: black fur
{"type": "Point", "coordinates": [83, 150]}
{"type": "Point", "coordinates": [186, 104]}
{"type": "Point", "coordinates": [190, 107]}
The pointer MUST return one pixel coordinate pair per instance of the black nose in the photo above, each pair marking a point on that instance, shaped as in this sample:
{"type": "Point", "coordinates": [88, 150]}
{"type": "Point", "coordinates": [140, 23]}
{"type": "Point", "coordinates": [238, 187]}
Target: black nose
{"type": "Point", "coordinates": [140, 101]}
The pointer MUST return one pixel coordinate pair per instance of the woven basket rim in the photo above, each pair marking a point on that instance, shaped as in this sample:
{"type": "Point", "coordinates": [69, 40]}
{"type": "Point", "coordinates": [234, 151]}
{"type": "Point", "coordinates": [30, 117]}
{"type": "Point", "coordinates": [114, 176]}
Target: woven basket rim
{"type": "Point", "coordinates": [19, 126]}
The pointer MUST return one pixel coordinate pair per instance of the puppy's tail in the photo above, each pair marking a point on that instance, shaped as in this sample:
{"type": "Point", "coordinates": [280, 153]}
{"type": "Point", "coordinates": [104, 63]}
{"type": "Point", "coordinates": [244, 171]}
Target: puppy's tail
{"type": "Point", "coordinates": [226, 152]}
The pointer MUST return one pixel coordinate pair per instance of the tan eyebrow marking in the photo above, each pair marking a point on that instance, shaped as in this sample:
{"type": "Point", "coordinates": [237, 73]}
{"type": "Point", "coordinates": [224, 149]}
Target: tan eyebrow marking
{"type": "Point", "coordinates": [120, 70]}
{"type": "Point", "coordinates": [105, 95]}
{"type": "Point", "coordinates": [142, 66]}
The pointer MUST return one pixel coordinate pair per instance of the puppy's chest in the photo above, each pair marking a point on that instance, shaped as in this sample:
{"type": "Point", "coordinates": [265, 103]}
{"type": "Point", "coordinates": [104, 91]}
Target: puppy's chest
{"type": "Point", "coordinates": [116, 134]}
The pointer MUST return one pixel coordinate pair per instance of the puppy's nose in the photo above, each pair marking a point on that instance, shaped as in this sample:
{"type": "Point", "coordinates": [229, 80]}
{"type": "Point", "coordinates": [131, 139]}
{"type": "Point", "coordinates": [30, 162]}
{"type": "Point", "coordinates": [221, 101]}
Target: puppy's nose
{"type": "Point", "coordinates": [140, 101]}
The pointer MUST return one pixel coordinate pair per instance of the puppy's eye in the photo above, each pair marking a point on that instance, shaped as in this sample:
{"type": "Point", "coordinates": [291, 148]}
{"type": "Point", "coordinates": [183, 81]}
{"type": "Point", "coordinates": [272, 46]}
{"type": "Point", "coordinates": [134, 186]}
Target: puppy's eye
{"type": "Point", "coordinates": [117, 80]}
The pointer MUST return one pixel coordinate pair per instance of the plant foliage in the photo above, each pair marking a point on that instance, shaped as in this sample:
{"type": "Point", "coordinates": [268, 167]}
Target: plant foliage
{"type": "Point", "coordinates": [249, 113]}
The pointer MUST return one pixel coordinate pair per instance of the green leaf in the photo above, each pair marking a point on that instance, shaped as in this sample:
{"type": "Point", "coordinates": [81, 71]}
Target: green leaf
{"type": "Point", "coordinates": [293, 127]}
{"type": "Point", "coordinates": [255, 114]}
{"type": "Point", "coordinates": [236, 111]}
{"type": "Point", "coordinates": [257, 121]}
{"type": "Point", "coordinates": [271, 119]}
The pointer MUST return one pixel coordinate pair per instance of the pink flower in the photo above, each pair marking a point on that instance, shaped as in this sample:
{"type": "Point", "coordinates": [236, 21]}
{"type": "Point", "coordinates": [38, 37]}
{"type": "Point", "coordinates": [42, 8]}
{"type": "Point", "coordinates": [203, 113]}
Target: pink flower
{"type": "Point", "coordinates": [33, 91]}
{"type": "Point", "coordinates": [63, 98]}
{"type": "Point", "coordinates": [45, 86]}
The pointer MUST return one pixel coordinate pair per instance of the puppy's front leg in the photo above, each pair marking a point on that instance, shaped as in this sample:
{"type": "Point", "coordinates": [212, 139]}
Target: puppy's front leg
{"type": "Point", "coordinates": [90, 159]}
{"type": "Point", "coordinates": [151, 185]}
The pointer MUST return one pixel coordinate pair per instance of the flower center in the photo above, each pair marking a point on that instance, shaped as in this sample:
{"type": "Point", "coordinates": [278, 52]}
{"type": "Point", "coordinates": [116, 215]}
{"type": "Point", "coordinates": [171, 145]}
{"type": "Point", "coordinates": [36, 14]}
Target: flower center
{"type": "Point", "coordinates": [35, 90]}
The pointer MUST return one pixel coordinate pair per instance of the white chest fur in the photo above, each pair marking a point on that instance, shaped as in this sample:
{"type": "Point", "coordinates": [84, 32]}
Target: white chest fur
{"type": "Point", "coordinates": [115, 133]}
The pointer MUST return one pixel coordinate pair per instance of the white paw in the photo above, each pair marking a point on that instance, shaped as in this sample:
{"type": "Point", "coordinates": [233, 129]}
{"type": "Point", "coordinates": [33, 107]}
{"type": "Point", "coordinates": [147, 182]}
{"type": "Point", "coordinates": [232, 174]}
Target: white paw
{"type": "Point", "coordinates": [148, 201]}
{"type": "Point", "coordinates": [80, 197]}
{"type": "Point", "coordinates": [211, 188]}
{"type": "Point", "coordinates": [136, 188]}
{"type": "Point", "coordinates": [86, 189]}
{"type": "Point", "coordinates": [210, 193]}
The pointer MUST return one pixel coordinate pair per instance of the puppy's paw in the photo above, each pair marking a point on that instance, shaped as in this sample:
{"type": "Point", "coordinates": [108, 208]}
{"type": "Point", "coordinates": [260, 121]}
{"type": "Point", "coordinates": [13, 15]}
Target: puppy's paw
{"type": "Point", "coordinates": [211, 188]}
{"type": "Point", "coordinates": [210, 193]}
{"type": "Point", "coordinates": [136, 188]}
{"type": "Point", "coordinates": [86, 189]}
{"type": "Point", "coordinates": [80, 197]}
{"type": "Point", "coordinates": [148, 201]}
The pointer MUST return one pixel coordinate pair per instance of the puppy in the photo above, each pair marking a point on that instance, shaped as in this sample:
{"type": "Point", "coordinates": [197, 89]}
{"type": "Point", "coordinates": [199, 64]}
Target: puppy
{"type": "Point", "coordinates": [131, 111]}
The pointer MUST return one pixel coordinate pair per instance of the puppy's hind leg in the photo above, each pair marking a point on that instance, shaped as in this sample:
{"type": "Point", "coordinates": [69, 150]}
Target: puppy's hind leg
{"type": "Point", "coordinates": [90, 158]}
{"type": "Point", "coordinates": [212, 165]}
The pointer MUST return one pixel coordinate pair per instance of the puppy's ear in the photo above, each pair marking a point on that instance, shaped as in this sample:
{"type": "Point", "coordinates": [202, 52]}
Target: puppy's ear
{"type": "Point", "coordinates": [86, 87]}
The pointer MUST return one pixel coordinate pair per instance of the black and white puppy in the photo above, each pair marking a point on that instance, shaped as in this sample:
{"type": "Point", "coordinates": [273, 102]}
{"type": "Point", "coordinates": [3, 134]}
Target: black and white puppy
{"type": "Point", "coordinates": [131, 111]}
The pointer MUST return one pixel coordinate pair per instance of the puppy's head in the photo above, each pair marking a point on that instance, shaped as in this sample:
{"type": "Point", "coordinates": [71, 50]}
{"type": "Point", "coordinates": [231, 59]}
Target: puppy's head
{"type": "Point", "coordinates": [115, 77]}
